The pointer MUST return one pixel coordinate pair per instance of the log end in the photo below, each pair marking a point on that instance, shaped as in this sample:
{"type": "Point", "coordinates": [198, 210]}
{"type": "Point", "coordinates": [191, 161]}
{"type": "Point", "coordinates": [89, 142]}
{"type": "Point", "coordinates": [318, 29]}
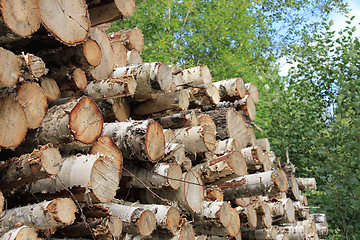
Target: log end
{"type": "Point", "coordinates": [146, 223]}
{"type": "Point", "coordinates": [240, 87]}
{"type": "Point", "coordinates": [164, 77]}
{"type": "Point", "coordinates": [51, 160]}
{"type": "Point", "coordinates": [173, 219]}
{"type": "Point", "coordinates": [237, 163]}
{"type": "Point", "coordinates": [63, 210]}
{"type": "Point", "coordinates": [92, 52]}
{"type": "Point", "coordinates": [13, 123]}
{"type": "Point", "coordinates": [251, 109]}
{"type": "Point", "coordinates": [289, 210]}
{"type": "Point", "coordinates": [85, 121]}
{"type": "Point", "coordinates": [253, 92]}
{"type": "Point", "coordinates": [267, 216]}
{"type": "Point", "coordinates": [79, 78]}
{"type": "Point", "coordinates": [229, 218]}
{"type": "Point", "coordinates": [187, 232]}
{"type": "Point", "coordinates": [209, 134]}
{"type": "Point", "coordinates": [280, 180]}
{"type": "Point", "coordinates": [9, 67]}
{"type": "Point", "coordinates": [22, 233]}
{"type": "Point", "coordinates": [121, 109]}
{"type": "Point", "coordinates": [120, 53]}
{"type": "Point", "coordinates": [174, 175]}
{"type": "Point", "coordinates": [126, 7]}
{"type": "Point", "coordinates": [206, 75]}
{"type": "Point", "coordinates": [155, 141]}
{"type": "Point", "coordinates": [2, 201]}
{"type": "Point", "coordinates": [50, 88]}
{"type": "Point", "coordinates": [193, 191]}
{"type": "Point", "coordinates": [214, 194]}
{"type": "Point", "coordinates": [251, 216]}
{"type": "Point", "coordinates": [115, 226]}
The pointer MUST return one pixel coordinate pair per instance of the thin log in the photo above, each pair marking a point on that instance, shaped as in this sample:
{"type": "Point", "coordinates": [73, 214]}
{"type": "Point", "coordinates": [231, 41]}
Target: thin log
{"type": "Point", "coordinates": [13, 122]}
{"type": "Point", "coordinates": [131, 38]}
{"type": "Point", "coordinates": [245, 106]}
{"type": "Point", "coordinates": [238, 130]}
{"type": "Point", "coordinates": [92, 52]}
{"type": "Point", "coordinates": [185, 232]}
{"type": "Point", "coordinates": [70, 79]}
{"type": "Point", "coordinates": [50, 88]}
{"type": "Point", "coordinates": [45, 215]}
{"type": "Point", "coordinates": [306, 183]}
{"type": "Point", "coordinates": [10, 67]}
{"type": "Point", "coordinates": [248, 217]}
{"type": "Point", "coordinates": [133, 58]}
{"type": "Point", "coordinates": [179, 120]}
{"type": "Point", "coordinates": [265, 183]}
{"type": "Point", "coordinates": [71, 24]}
{"type": "Point", "coordinates": [293, 192]}
{"type": "Point", "coordinates": [136, 220]}
{"type": "Point", "coordinates": [252, 91]}
{"type": "Point", "coordinates": [253, 155]}
{"type": "Point", "coordinates": [143, 140]}
{"type": "Point", "coordinates": [28, 168]}
{"type": "Point", "coordinates": [294, 232]}
{"type": "Point", "coordinates": [97, 174]}
{"type": "Point", "coordinates": [20, 233]}
{"type": "Point", "coordinates": [264, 215]}
{"type": "Point", "coordinates": [231, 89]}
{"type": "Point", "coordinates": [243, 202]}
{"type": "Point", "coordinates": [227, 145]}
{"type": "Point", "coordinates": [111, 88]}
{"type": "Point", "coordinates": [114, 109]}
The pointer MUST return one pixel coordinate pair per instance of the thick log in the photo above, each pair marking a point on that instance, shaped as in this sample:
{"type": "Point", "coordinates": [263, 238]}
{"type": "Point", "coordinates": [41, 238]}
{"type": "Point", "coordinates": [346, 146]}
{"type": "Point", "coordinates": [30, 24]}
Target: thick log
{"type": "Point", "coordinates": [151, 78]}
{"type": "Point", "coordinates": [176, 101]}
{"type": "Point", "coordinates": [111, 11]}
{"type": "Point", "coordinates": [97, 174]}
{"type": "Point", "coordinates": [120, 54]}
{"type": "Point", "coordinates": [111, 88]}
{"type": "Point", "coordinates": [231, 89]}
{"type": "Point", "coordinates": [197, 139]}
{"type": "Point", "coordinates": [10, 67]}
{"type": "Point", "coordinates": [306, 183]}
{"type": "Point", "coordinates": [252, 91]}
{"type": "Point", "coordinates": [77, 121]}
{"type": "Point", "coordinates": [34, 102]}
{"type": "Point", "coordinates": [136, 220]}
{"type": "Point", "coordinates": [131, 38]}
{"type": "Point", "coordinates": [163, 175]}
{"type": "Point", "coordinates": [13, 122]}
{"type": "Point", "coordinates": [265, 183]}
{"type": "Point", "coordinates": [143, 140]}
{"type": "Point", "coordinates": [219, 167]}
{"type": "Point", "coordinates": [50, 88]}
{"type": "Point", "coordinates": [45, 215]}
{"type": "Point", "coordinates": [133, 58]}
{"type": "Point", "coordinates": [67, 20]}
{"type": "Point", "coordinates": [28, 168]}
{"type": "Point", "coordinates": [20, 233]}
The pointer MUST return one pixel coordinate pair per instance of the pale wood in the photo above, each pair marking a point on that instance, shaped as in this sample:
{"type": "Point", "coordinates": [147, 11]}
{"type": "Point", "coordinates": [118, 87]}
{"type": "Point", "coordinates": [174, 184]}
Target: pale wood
{"type": "Point", "coordinates": [264, 144]}
{"type": "Point", "coordinates": [50, 88]}
{"type": "Point", "coordinates": [67, 20]}
{"type": "Point", "coordinates": [44, 215]}
{"type": "Point", "coordinates": [245, 106]}
{"type": "Point", "coordinates": [136, 220]}
{"type": "Point", "coordinates": [32, 67]}
{"type": "Point", "coordinates": [252, 91]}
{"type": "Point", "coordinates": [10, 68]}
{"type": "Point", "coordinates": [75, 120]}
{"type": "Point", "coordinates": [92, 52]}
{"type": "Point", "coordinates": [163, 175]}
{"type": "Point", "coordinates": [111, 88]}
{"type": "Point", "coordinates": [185, 232]}
{"type": "Point", "coordinates": [143, 140]}
{"type": "Point", "coordinates": [227, 145]}
{"type": "Point", "coordinates": [243, 202]}
{"type": "Point", "coordinates": [133, 58]}
{"type": "Point", "coordinates": [248, 217]}
{"type": "Point", "coordinates": [294, 232]}
{"type": "Point", "coordinates": [151, 78]}
{"type": "Point", "coordinates": [197, 139]}
{"type": "Point", "coordinates": [306, 183]}
{"type": "Point", "coordinates": [204, 95]}
{"type": "Point", "coordinates": [106, 66]}
{"type": "Point", "coordinates": [179, 120]}
{"type": "Point", "coordinates": [120, 54]}
{"type": "Point", "coordinates": [13, 123]}
{"type": "Point", "coordinates": [253, 155]}
{"type": "Point", "coordinates": [114, 109]}
{"type": "Point", "coordinates": [28, 168]}
{"type": "Point", "coordinates": [196, 75]}
{"type": "Point", "coordinates": [20, 233]}
{"type": "Point", "coordinates": [237, 128]}
{"type": "Point", "coordinates": [231, 89]}
{"type": "Point", "coordinates": [97, 174]}
{"type": "Point", "coordinates": [131, 38]}
{"type": "Point", "coordinates": [293, 192]}
{"type": "Point", "coordinates": [34, 102]}
{"type": "Point", "coordinates": [264, 215]}
{"type": "Point", "coordinates": [255, 184]}
{"type": "Point", "coordinates": [70, 79]}
{"type": "Point", "coordinates": [261, 234]}
{"type": "Point", "coordinates": [214, 194]}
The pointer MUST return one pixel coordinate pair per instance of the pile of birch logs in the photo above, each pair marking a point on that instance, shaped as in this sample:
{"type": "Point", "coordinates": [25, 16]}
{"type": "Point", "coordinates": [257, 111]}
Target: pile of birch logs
{"type": "Point", "coordinates": [96, 144]}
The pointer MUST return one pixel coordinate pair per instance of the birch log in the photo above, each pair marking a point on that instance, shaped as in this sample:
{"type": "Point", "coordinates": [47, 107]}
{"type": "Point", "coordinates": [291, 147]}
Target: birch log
{"type": "Point", "coordinates": [143, 140]}
{"type": "Point", "coordinates": [10, 66]}
{"type": "Point", "coordinates": [131, 38]}
{"type": "Point", "coordinates": [213, 194]}
{"type": "Point", "coordinates": [50, 88]}
{"type": "Point", "coordinates": [67, 20]}
{"type": "Point", "coordinates": [133, 58]}
{"type": "Point", "coordinates": [196, 75]}
{"type": "Point", "coordinates": [13, 122]}
{"type": "Point", "coordinates": [294, 232]}
{"type": "Point", "coordinates": [238, 130]}
{"type": "Point", "coordinates": [248, 217]}
{"type": "Point", "coordinates": [114, 109]}
{"type": "Point", "coordinates": [120, 53]}
{"type": "Point", "coordinates": [264, 144]}
{"type": "Point", "coordinates": [78, 120]}
{"type": "Point", "coordinates": [255, 184]}
{"type": "Point", "coordinates": [252, 91]}
{"type": "Point", "coordinates": [253, 155]}
{"type": "Point", "coordinates": [136, 220]}
{"type": "Point", "coordinates": [306, 183]}
{"type": "Point", "coordinates": [32, 67]}
{"type": "Point", "coordinates": [185, 232]}
{"type": "Point", "coordinates": [39, 164]}
{"type": "Point", "coordinates": [245, 106]}
{"type": "Point", "coordinates": [96, 174]}
{"type": "Point", "coordinates": [261, 234]}
{"type": "Point", "coordinates": [41, 216]}
{"type": "Point", "coordinates": [70, 79]}
{"type": "Point", "coordinates": [231, 89]}
{"type": "Point", "coordinates": [204, 95]}
{"type": "Point", "coordinates": [111, 88]}
{"type": "Point", "coordinates": [293, 192]}
{"type": "Point", "coordinates": [20, 233]}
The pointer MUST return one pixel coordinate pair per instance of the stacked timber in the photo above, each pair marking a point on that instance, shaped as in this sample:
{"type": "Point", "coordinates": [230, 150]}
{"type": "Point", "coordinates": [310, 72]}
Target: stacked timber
{"type": "Point", "coordinates": [96, 144]}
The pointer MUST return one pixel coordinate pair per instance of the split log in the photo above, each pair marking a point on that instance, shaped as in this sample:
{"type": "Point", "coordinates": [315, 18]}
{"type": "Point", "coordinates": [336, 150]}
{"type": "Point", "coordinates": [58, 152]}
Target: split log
{"type": "Point", "coordinates": [136, 220]}
{"type": "Point", "coordinates": [215, 213]}
{"type": "Point", "coordinates": [41, 216]}
{"type": "Point", "coordinates": [176, 101]}
{"type": "Point", "coordinates": [67, 20]}
{"type": "Point", "coordinates": [50, 88]}
{"type": "Point", "coordinates": [294, 232]}
{"type": "Point", "coordinates": [143, 140]}
{"type": "Point", "coordinates": [13, 122]}
{"type": "Point", "coordinates": [120, 54]}
{"type": "Point", "coordinates": [28, 168]}
{"type": "Point", "coordinates": [131, 38]}
{"type": "Point", "coordinates": [78, 121]}
{"type": "Point", "coordinates": [111, 88]}
{"type": "Point", "coordinates": [264, 144]}
{"type": "Point", "coordinates": [167, 217]}
{"type": "Point", "coordinates": [306, 183]}
{"type": "Point", "coordinates": [163, 175]}
{"type": "Point", "coordinates": [20, 233]}
{"type": "Point", "coordinates": [231, 89]}
{"type": "Point", "coordinates": [10, 65]}
{"type": "Point", "coordinates": [133, 58]}
{"type": "Point", "coordinates": [232, 164]}
{"type": "Point", "coordinates": [34, 102]}
{"type": "Point", "coordinates": [252, 91]}
{"type": "Point", "coordinates": [248, 217]}
{"type": "Point", "coordinates": [110, 12]}
{"type": "Point", "coordinates": [261, 234]}
{"type": "Point", "coordinates": [264, 183]}
{"type": "Point", "coordinates": [105, 228]}
{"type": "Point", "coordinates": [95, 176]}
{"type": "Point", "coordinates": [151, 78]}
{"type": "Point", "coordinates": [197, 139]}
{"type": "Point", "coordinates": [196, 75]}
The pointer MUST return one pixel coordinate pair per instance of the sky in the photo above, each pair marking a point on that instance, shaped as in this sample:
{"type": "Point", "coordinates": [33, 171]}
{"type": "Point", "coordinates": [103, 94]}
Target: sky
{"type": "Point", "coordinates": [339, 23]}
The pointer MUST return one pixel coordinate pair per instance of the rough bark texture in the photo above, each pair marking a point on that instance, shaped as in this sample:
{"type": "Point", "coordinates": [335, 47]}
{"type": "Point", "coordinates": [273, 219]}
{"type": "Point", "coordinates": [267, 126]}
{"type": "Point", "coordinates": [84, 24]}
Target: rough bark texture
{"type": "Point", "coordinates": [20, 233]}
{"type": "Point", "coordinates": [231, 89]}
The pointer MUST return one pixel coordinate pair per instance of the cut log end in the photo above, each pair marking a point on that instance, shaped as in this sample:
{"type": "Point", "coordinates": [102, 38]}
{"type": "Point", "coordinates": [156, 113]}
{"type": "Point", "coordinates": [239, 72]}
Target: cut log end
{"type": "Point", "coordinates": [229, 218]}
{"type": "Point", "coordinates": [252, 91]}
{"type": "Point", "coordinates": [63, 210]}
{"type": "Point", "coordinates": [120, 54]}
{"type": "Point", "coordinates": [193, 191]}
{"type": "Point", "coordinates": [79, 78]}
{"type": "Point", "coordinates": [173, 219]}
{"type": "Point", "coordinates": [12, 122]}
{"type": "Point", "coordinates": [121, 109]}
{"type": "Point", "coordinates": [237, 163]}
{"type": "Point", "coordinates": [92, 52]}
{"type": "Point", "coordinates": [155, 141]}
{"type": "Point", "coordinates": [126, 7]}
{"type": "Point", "coordinates": [21, 233]}
{"type": "Point", "coordinates": [9, 67]}
{"type": "Point", "coordinates": [146, 223]}
{"type": "Point", "coordinates": [86, 122]}
{"type": "Point", "coordinates": [280, 180]}
{"type": "Point", "coordinates": [209, 137]}
{"type": "Point", "coordinates": [2, 201]}
{"type": "Point", "coordinates": [174, 174]}
{"type": "Point", "coordinates": [240, 87]}
{"type": "Point", "coordinates": [50, 88]}
{"type": "Point", "coordinates": [50, 159]}
{"type": "Point", "coordinates": [115, 226]}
